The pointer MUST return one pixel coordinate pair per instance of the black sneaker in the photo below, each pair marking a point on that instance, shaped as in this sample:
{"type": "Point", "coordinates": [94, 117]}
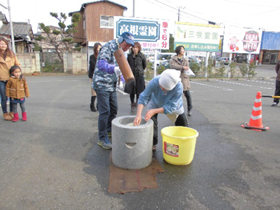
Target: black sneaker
{"type": "Point", "coordinates": [274, 104]}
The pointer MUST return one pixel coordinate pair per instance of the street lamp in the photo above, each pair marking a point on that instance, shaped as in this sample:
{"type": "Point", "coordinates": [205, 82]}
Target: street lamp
{"type": "Point", "coordinates": [11, 25]}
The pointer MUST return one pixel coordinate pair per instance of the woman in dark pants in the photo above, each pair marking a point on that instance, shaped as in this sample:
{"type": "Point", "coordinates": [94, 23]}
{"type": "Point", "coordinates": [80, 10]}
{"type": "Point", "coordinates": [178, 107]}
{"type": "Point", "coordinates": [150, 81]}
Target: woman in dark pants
{"type": "Point", "coordinates": [138, 63]}
{"type": "Point", "coordinates": [92, 63]}
{"type": "Point", "coordinates": [181, 64]}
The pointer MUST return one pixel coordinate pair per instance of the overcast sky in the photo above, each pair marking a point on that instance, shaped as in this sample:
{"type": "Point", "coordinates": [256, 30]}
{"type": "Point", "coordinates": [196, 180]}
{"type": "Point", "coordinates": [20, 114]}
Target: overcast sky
{"type": "Point", "coordinates": [241, 13]}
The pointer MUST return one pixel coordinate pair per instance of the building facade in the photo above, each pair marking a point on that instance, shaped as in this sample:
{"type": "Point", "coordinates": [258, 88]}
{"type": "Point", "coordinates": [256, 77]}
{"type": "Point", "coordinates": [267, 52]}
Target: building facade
{"type": "Point", "coordinates": [97, 23]}
{"type": "Point", "coordinates": [270, 48]}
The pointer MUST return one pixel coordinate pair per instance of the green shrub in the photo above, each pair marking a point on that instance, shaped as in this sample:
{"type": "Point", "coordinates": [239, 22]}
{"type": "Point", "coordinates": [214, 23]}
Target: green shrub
{"type": "Point", "coordinates": [195, 67]}
{"type": "Point", "coordinates": [148, 69]}
{"type": "Point", "coordinates": [220, 71]}
{"type": "Point", "coordinates": [243, 69]}
{"type": "Point", "coordinates": [232, 69]}
{"type": "Point", "coordinates": [57, 66]}
{"type": "Point", "coordinates": [252, 68]}
{"type": "Point", "coordinates": [160, 69]}
{"type": "Point", "coordinates": [209, 69]}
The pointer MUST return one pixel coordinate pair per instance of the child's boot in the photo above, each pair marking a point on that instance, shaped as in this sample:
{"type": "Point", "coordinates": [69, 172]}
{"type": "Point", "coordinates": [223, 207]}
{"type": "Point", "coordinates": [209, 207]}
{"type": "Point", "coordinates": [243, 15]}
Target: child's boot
{"type": "Point", "coordinates": [15, 117]}
{"type": "Point", "coordinates": [24, 116]}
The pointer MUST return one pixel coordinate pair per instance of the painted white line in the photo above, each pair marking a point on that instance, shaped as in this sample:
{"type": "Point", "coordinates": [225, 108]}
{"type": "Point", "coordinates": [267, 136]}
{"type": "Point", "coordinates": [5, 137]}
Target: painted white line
{"type": "Point", "coordinates": [120, 91]}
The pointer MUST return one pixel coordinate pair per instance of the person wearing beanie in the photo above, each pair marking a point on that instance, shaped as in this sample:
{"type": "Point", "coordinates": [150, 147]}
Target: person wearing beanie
{"type": "Point", "coordinates": [163, 95]}
{"type": "Point", "coordinates": [104, 82]}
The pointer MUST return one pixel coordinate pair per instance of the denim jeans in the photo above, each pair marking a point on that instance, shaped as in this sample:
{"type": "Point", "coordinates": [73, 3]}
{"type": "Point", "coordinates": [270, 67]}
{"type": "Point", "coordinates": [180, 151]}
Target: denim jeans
{"type": "Point", "coordinates": [3, 97]}
{"type": "Point", "coordinates": [107, 108]}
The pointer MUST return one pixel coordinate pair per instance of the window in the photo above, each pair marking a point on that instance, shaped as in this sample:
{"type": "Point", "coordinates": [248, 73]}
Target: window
{"type": "Point", "coordinates": [106, 21]}
{"type": "Point", "coordinates": [84, 24]}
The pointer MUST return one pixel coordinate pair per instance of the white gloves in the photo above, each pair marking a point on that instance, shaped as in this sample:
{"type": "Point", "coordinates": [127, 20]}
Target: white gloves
{"type": "Point", "coordinates": [117, 71]}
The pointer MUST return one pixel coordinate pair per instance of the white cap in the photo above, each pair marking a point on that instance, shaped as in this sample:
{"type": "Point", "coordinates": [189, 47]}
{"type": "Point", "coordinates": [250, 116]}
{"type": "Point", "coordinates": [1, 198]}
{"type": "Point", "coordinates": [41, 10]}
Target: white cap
{"type": "Point", "coordinates": [169, 78]}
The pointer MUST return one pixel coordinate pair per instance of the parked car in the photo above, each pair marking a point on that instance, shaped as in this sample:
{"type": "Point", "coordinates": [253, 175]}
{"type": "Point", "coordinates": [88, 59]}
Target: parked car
{"type": "Point", "coordinates": [193, 60]}
{"type": "Point", "coordinates": [240, 59]}
{"type": "Point", "coordinates": [162, 59]}
{"type": "Point", "coordinates": [224, 60]}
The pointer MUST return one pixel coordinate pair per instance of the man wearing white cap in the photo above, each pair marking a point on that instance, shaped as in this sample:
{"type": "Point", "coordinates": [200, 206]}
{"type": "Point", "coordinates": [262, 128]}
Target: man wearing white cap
{"type": "Point", "coordinates": [163, 95]}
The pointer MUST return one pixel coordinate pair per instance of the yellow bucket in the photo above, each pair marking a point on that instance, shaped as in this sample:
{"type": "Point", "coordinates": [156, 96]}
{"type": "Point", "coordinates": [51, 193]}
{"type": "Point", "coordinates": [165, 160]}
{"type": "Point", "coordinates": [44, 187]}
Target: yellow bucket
{"type": "Point", "coordinates": [178, 144]}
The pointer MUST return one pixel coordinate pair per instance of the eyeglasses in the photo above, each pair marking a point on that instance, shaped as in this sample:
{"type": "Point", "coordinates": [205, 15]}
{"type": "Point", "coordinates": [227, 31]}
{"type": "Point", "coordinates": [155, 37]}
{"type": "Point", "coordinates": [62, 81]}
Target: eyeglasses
{"type": "Point", "coordinates": [3, 44]}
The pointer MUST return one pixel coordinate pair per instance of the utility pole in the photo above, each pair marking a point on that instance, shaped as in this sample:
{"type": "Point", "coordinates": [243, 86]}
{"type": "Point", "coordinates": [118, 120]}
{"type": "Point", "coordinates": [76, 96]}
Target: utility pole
{"type": "Point", "coordinates": [11, 25]}
{"type": "Point", "coordinates": [179, 10]}
{"type": "Point", "coordinates": [133, 8]}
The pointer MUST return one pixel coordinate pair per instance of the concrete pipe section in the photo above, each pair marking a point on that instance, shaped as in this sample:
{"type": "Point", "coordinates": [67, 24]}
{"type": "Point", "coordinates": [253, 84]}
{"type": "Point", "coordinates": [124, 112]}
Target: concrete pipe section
{"type": "Point", "coordinates": [132, 145]}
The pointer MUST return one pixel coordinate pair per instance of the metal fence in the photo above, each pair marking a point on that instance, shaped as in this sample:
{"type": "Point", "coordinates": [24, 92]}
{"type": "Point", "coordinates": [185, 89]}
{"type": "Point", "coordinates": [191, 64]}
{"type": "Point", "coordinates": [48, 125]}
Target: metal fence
{"type": "Point", "coordinates": [50, 62]}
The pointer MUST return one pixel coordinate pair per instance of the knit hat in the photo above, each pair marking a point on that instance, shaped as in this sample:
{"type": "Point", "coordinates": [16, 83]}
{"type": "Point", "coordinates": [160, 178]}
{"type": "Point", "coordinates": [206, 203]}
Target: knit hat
{"type": "Point", "coordinates": [169, 79]}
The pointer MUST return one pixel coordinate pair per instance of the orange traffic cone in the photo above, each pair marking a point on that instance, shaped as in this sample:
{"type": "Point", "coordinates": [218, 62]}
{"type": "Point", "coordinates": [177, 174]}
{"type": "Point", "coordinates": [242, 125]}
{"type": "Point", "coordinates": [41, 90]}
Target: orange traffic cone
{"type": "Point", "coordinates": [256, 116]}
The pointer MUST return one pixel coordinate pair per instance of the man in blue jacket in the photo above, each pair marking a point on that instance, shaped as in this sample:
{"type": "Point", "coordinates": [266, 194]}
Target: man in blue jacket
{"type": "Point", "coordinates": [104, 82]}
{"type": "Point", "coordinates": [163, 95]}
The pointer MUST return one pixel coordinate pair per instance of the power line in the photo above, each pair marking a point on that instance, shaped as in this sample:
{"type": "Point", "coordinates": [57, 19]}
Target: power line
{"type": "Point", "coordinates": [224, 20]}
{"type": "Point", "coordinates": [157, 4]}
{"type": "Point", "coordinates": [249, 4]}
{"type": "Point", "coordinates": [182, 11]}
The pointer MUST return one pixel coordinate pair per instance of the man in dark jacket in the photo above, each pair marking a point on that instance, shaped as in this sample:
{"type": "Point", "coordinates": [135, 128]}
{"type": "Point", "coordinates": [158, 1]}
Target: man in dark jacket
{"type": "Point", "coordinates": [277, 85]}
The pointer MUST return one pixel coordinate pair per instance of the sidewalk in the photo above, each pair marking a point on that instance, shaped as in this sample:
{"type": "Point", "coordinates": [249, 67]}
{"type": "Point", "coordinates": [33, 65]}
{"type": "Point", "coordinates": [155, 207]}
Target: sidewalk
{"type": "Point", "coordinates": [266, 71]}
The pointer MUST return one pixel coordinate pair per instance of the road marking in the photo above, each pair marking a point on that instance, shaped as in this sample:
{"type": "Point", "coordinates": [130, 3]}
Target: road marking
{"type": "Point", "coordinates": [213, 86]}
{"type": "Point", "coordinates": [120, 91]}
{"type": "Point", "coordinates": [247, 85]}
{"type": "Point", "coordinates": [259, 81]}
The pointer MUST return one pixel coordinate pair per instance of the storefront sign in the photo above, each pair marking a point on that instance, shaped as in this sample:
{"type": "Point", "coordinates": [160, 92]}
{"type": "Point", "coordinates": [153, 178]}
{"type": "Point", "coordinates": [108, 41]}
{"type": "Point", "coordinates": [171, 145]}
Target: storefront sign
{"type": "Point", "coordinates": [197, 37]}
{"type": "Point", "coordinates": [152, 34]}
{"type": "Point", "coordinates": [240, 40]}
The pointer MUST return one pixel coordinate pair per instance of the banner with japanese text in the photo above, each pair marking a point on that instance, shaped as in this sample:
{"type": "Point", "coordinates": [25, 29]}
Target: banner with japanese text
{"type": "Point", "coordinates": [152, 34]}
{"type": "Point", "coordinates": [197, 37]}
{"type": "Point", "coordinates": [241, 40]}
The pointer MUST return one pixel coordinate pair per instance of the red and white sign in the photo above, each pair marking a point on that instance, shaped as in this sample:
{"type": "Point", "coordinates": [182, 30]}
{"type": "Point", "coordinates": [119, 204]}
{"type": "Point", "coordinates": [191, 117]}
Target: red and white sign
{"type": "Point", "coordinates": [240, 40]}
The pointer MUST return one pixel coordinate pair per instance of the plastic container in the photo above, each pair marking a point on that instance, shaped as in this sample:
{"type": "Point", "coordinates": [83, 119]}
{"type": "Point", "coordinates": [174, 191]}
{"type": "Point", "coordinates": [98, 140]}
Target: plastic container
{"type": "Point", "coordinates": [178, 144]}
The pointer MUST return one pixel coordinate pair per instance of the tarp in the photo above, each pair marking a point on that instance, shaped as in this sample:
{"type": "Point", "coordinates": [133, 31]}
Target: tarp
{"type": "Point", "coordinates": [270, 41]}
{"type": "Point", "coordinates": [124, 180]}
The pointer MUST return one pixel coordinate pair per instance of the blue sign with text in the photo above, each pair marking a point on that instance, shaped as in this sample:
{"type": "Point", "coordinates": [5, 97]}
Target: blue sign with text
{"type": "Point", "coordinates": [143, 31]}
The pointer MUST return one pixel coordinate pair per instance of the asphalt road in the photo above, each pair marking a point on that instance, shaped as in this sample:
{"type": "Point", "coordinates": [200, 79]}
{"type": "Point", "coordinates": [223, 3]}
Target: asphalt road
{"type": "Point", "coordinates": [52, 161]}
